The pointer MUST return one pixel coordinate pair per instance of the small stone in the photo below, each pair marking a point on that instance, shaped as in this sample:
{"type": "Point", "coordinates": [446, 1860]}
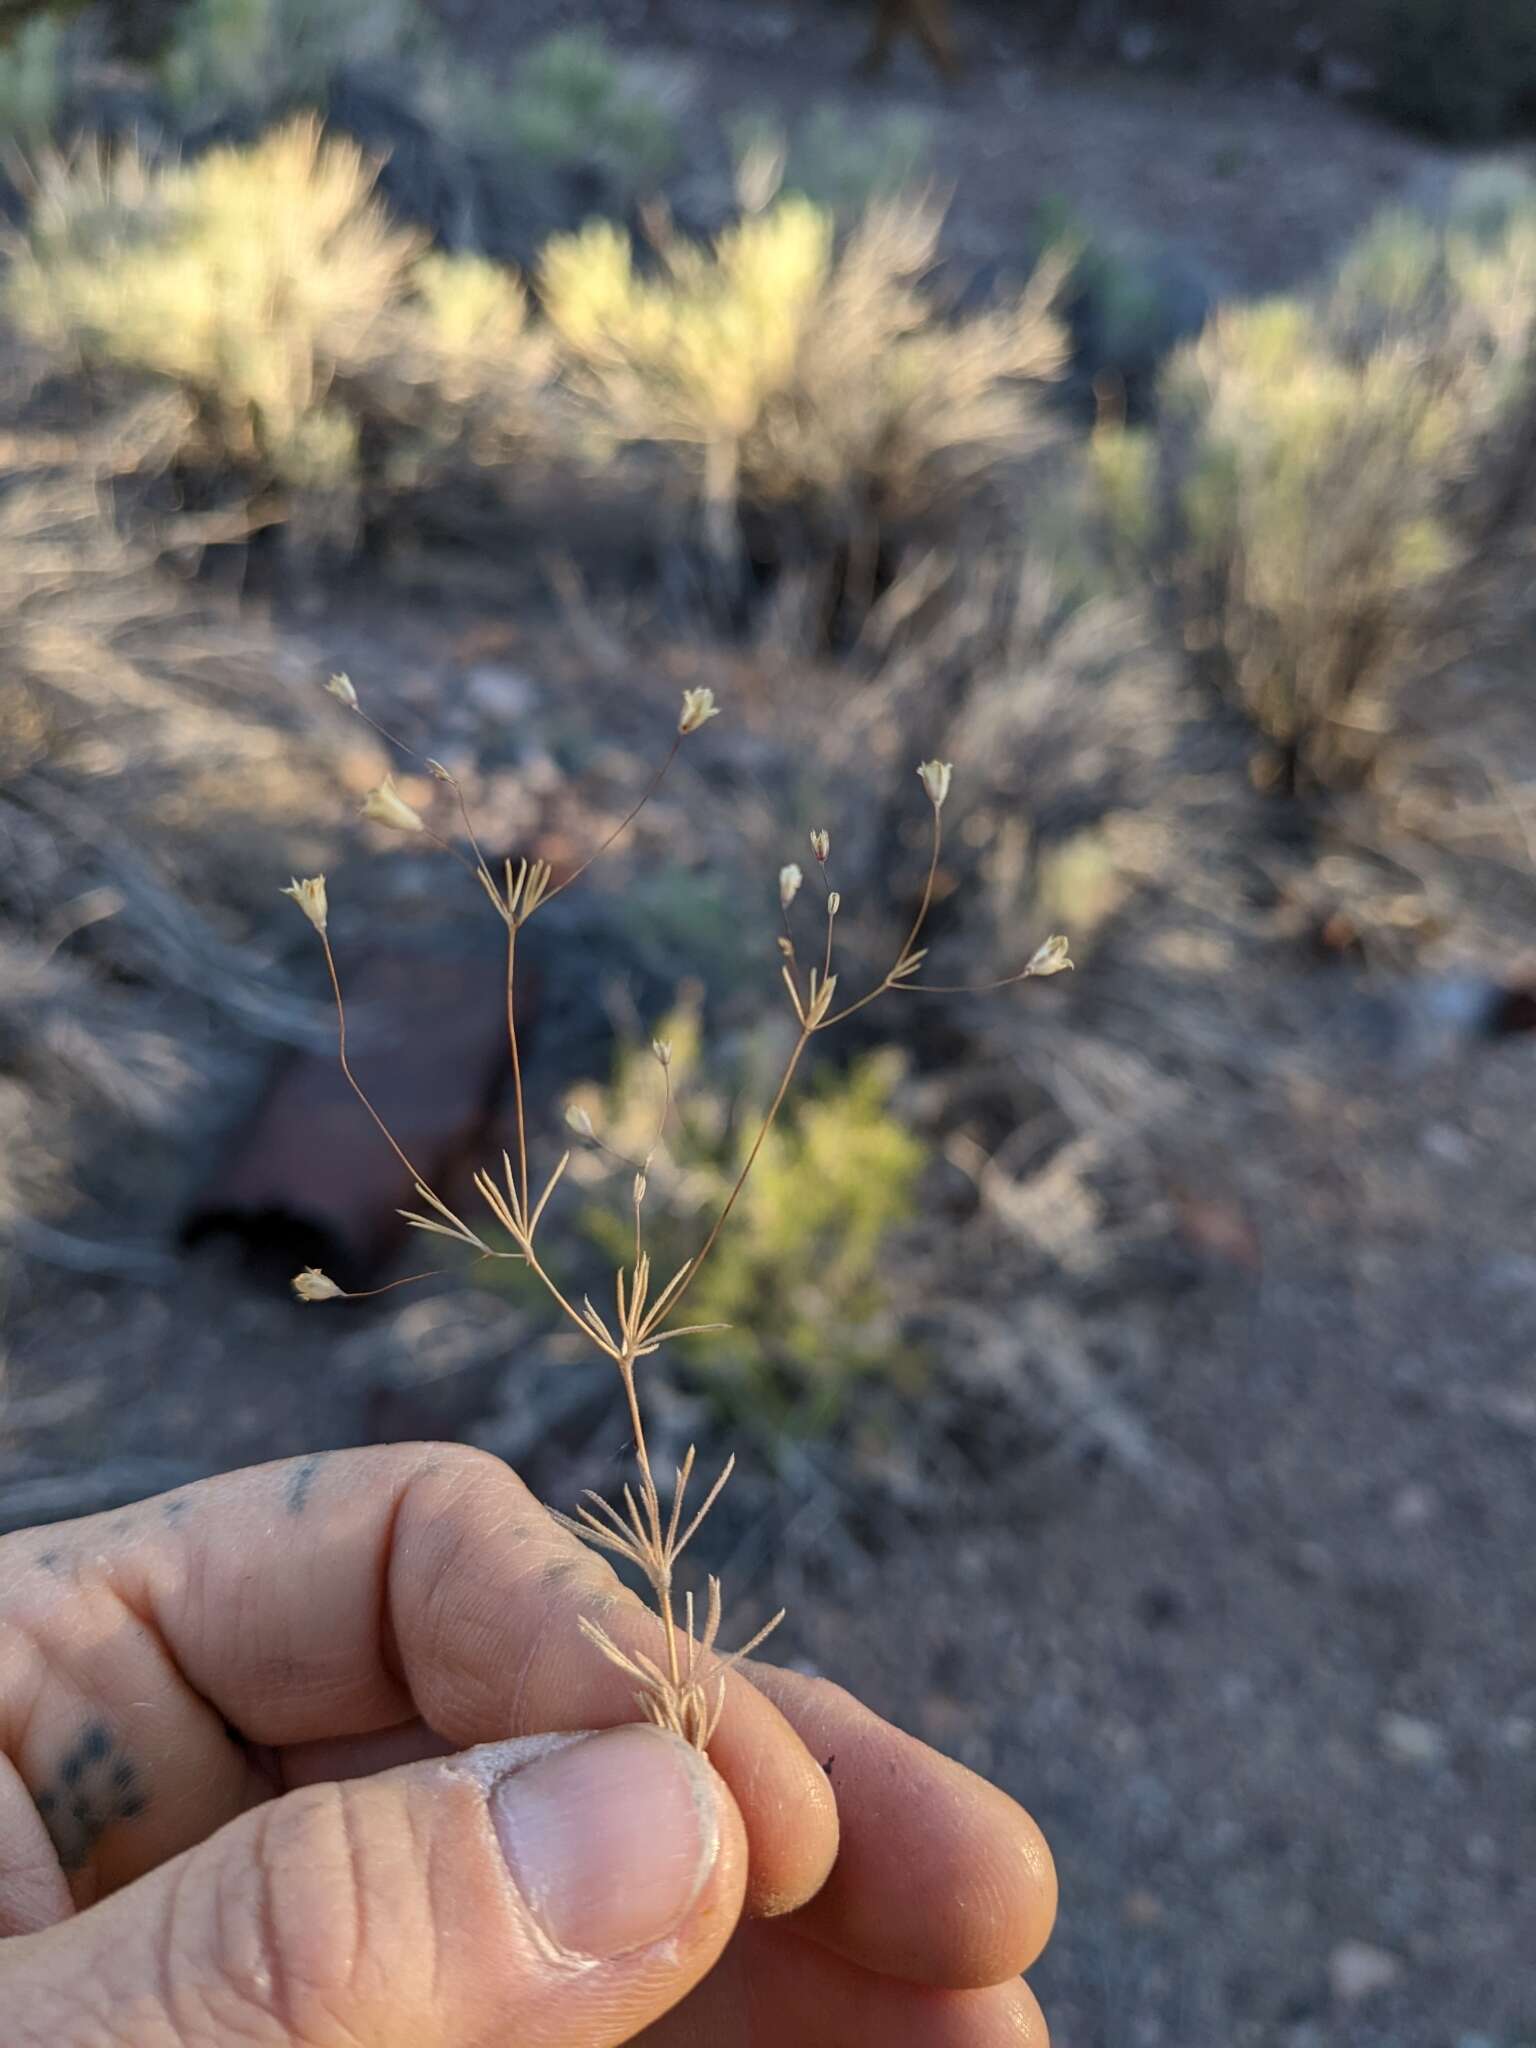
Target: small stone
{"type": "Point", "coordinates": [1356, 1970]}
{"type": "Point", "coordinates": [499, 693]}
{"type": "Point", "coordinates": [1447, 1144]}
{"type": "Point", "coordinates": [1408, 1740]}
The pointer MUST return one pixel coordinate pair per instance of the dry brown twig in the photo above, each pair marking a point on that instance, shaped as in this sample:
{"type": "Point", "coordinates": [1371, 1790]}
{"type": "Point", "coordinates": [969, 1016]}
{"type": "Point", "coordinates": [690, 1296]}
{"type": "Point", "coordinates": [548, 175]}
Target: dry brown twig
{"type": "Point", "coordinates": [683, 1688]}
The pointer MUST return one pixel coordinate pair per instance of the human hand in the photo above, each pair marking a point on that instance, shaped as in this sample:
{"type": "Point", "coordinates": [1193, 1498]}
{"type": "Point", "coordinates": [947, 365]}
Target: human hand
{"type": "Point", "coordinates": [241, 1799]}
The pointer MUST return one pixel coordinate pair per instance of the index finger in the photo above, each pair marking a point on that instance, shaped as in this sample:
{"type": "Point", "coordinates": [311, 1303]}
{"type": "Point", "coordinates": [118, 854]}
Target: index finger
{"type": "Point", "coordinates": [339, 1595]}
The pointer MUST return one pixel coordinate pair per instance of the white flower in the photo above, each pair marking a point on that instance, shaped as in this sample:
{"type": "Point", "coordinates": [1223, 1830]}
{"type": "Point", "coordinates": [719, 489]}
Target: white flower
{"type": "Point", "coordinates": [662, 1047]}
{"type": "Point", "coordinates": [1051, 958]}
{"type": "Point", "coordinates": [313, 1285]}
{"type": "Point", "coordinates": [386, 806]}
{"type": "Point", "coordinates": [341, 688]}
{"type": "Point", "coordinates": [310, 897]}
{"type": "Point", "coordinates": [934, 776]}
{"type": "Point", "coordinates": [699, 707]}
{"type": "Point", "coordinates": [790, 879]}
{"type": "Point", "coordinates": [579, 1121]}
{"type": "Point", "coordinates": [821, 845]}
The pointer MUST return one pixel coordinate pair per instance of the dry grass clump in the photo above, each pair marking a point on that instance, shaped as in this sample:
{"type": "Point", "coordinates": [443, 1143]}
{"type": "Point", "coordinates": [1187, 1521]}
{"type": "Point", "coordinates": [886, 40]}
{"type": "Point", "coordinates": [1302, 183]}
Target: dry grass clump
{"type": "Point", "coordinates": [681, 1687]}
{"type": "Point", "coordinates": [142, 734]}
{"type": "Point", "coordinates": [1319, 466]}
{"type": "Point", "coordinates": [786, 374]}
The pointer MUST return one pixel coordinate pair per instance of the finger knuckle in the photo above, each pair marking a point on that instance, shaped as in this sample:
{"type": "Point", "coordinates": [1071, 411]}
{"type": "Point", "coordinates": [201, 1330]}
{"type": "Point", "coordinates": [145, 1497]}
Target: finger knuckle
{"type": "Point", "coordinates": [273, 1945]}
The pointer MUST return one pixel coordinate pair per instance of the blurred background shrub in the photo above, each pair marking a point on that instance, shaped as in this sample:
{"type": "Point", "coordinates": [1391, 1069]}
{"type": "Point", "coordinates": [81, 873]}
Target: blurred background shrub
{"type": "Point", "coordinates": [1321, 464]}
{"type": "Point", "coordinates": [247, 279]}
{"type": "Point", "coordinates": [801, 1279]}
{"type": "Point", "coordinates": [32, 82]}
{"type": "Point", "coordinates": [801, 383]}
{"type": "Point", "coordinates": [229, 54]}
{"type": "Point", "coordinates": [571, 101]}
{"type": "Point", "coordinates": [829, 160]}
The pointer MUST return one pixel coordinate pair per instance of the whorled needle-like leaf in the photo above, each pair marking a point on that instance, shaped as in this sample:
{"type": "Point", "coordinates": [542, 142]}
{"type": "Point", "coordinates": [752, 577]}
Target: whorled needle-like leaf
{"type": "Point", "coordinates": [550, 1186]}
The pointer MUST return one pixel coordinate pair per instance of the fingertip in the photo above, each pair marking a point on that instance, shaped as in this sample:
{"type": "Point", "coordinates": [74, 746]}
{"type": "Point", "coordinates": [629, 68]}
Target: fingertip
{"type": "Point", "coordinates": [788, 1806]}
{"type": "Point", "coordinates": [941, 1879]}
{"type": "Point", "coordinates": [986, 1904]}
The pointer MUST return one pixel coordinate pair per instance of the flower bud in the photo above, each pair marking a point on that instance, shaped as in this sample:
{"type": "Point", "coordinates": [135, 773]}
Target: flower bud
{"type": "Point", "coordinates": [579, 1121]}
{"type": "Point", "coordinates": [639, 1189]}
{"type": "Point", "coordinates": [699, 707]}
{"type": "Point", "coordinates": [821, 845]}
{"type": "Point", "coordinates": [313, 1285]}
{"type": "Point", "coordinates": [934, 776]}
{"type": "Point", "coordinates": [790, 879]}
{"type": "Point", "coordinates": [1051, 958]}
{"type": "Point", "coordinates": [310, 897]}
{"type": "Point", "coordinates": [341, 688]}
{"type": "Point", "coordinates": [386, 806]}
{"type": "Point", "coordinates": [662, 1047]}
{"type": "Point", "coordinates": [834, 902]}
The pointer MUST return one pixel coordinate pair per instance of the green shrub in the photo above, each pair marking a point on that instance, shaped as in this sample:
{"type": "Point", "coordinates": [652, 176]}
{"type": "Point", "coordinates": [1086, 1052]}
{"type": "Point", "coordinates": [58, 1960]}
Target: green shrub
{"type": "Point", "coordinates": [572, 101]}
{"type": "Point", "coordinates": [1124, 465]}
{"type": "Point", "coordinates": [800, 377]}
{"type": "Point", "coordinates": [31, 82]}
{"type": "Point", "coordinates": [802, 1275]}
{"type": "Point", "coordinates": [1461, 293]}
{"type": "Point", "coordinates": [250, 278]}
{"type": "Point", "coordinates": [229, 53]}
{"type": "Point", "coordinates": [1306, 495]}
{"type": "Point", "coordinates": [831, 161]}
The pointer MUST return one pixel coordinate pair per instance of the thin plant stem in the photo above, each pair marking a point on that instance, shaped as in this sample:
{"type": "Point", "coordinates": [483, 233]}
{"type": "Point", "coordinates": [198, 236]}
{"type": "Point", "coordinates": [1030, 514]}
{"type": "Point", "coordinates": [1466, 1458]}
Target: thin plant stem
{"type": "Point", "coordinates": [352, 1081]}
{"type": "Point", "coordinates": [517, 1064]}
{"type": "Point", "coordinates": [962, 988]}
{"type": "Point", "coordinates": [741, 1180]}
{"type": "Point", "coordinates": [624, 823]}
{"type": "Point", "coordinates": [389, 1286]}
{"type": "Point", "coordinates": [447, 846]}
{"type": "Point", "coordinates": [661, 1570]}
{"type": "Point", "coordinates": [912, 937]}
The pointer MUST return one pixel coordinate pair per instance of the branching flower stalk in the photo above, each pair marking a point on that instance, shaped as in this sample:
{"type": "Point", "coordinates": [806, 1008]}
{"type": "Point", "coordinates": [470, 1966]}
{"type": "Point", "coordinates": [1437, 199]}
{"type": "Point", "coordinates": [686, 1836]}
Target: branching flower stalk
{"type": "Point", "coordinates": [682, 1688]}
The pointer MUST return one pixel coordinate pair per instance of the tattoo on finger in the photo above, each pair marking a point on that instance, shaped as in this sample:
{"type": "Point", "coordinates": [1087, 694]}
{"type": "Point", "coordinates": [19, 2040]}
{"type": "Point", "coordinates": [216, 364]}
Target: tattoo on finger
{"type": "Point", "coordinates": [95, 1784]}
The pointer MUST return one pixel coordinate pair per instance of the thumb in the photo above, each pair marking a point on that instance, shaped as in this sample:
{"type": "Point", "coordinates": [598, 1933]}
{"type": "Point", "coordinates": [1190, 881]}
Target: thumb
{"type": "Point", "coordinates": [561, 1892]}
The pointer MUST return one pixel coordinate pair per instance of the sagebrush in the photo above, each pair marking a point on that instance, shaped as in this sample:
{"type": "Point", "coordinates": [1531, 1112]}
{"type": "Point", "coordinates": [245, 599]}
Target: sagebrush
{"type": "Point", "coordinates": [797, 374]}
{"type": "Point", "coordinates": [789, 374]}
{"type": "Point", "coordinates": [1321, 465]}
